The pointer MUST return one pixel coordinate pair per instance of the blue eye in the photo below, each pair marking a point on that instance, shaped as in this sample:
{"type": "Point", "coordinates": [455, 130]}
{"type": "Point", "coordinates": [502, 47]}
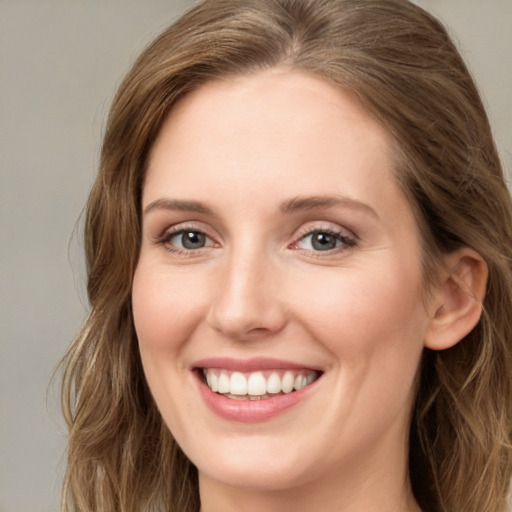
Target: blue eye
{"type": "Point", "coordinates": [322, 241]}
{"type": "Point", "coordinates": [190, 239]}
{"type": "Point", "coordinates": [185, 240]}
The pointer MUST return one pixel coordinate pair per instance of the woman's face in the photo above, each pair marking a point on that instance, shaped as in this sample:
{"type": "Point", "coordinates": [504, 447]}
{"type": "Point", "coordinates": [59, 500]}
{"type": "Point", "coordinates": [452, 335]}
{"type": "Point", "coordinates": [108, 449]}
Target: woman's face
{"type": "Point", "coordinates": [278, 252]}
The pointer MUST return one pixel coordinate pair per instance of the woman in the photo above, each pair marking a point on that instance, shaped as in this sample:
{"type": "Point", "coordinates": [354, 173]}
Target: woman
{"type": "Point", "coordinates": [299, 248]}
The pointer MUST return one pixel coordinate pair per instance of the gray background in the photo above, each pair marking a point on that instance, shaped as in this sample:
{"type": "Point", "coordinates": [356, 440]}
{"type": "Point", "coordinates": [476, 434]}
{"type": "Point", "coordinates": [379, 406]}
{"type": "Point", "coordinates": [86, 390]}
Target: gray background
{"type": "Point", "coordinates": [60, 62]}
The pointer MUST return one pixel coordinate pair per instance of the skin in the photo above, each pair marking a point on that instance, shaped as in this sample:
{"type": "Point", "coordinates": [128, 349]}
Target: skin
{"type": "Point", "coordinates": [243, 148]}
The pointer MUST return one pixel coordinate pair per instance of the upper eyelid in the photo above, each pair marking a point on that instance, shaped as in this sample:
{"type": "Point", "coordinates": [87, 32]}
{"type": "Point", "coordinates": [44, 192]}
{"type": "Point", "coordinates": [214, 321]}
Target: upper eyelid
{"type": "Point", "coordinates": [171, 233]}
{"type": "Point", "coordinates": [186, 226]}
{"type": "Point", "coordinates": [325, 226]}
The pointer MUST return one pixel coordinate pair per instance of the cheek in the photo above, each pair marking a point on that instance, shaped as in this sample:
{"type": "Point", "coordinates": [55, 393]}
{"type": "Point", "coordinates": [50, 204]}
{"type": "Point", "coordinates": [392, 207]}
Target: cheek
{"type": "Point", "coordinates": [372, 323]}
{"type": "Point", "coordinates": [359, 314]}
{"type": "Point", "coordinates": [166, 307]}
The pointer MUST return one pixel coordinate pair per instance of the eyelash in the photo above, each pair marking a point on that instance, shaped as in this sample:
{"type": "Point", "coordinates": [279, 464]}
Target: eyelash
{"type": "Point", "coordinates": [348, 242]}
{"type": "Point", "coordinates": [165, 239]}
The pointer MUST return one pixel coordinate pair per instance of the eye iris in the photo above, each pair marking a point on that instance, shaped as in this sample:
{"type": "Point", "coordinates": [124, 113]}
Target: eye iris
{"type": "Point", "coordinates": [323, 241]}
{"type": "Point", "coordinates": [193, 240]}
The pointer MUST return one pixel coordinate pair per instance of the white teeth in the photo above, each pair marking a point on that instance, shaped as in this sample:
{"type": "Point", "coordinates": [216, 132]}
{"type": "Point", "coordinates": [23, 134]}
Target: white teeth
{"type": "Point", "coordinates": [214, 382]}
{"type": "Point", "coordinates": [238, 384]}
{"type": "Point", "coordinates": [287, 382]}
{"type": "Point", "coordinates": [274, 383]}
{"type": "Point", "coordinates": [254, 385]}
{"type": "Point", "coordinates": [223, 383]}
{"type": "Point", "coordinates": [300, 382]}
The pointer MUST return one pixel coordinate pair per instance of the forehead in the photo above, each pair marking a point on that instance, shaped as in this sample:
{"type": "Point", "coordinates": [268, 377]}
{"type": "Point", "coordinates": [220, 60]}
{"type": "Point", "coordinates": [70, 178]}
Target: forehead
{"type": "Point", "coordinates": [273, 134]}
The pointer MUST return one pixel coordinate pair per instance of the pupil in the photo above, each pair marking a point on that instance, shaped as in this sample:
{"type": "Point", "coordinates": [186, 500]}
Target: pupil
{"type": "Point", "coordinates": [193, 240]}
{"type": "Point", "coordinates": [323, 242]}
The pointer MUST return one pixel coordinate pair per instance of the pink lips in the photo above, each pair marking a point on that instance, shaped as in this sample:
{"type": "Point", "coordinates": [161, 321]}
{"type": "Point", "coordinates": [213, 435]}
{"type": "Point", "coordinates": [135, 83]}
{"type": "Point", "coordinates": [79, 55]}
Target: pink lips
{"type": "Point", "coordinates": [248, 411]}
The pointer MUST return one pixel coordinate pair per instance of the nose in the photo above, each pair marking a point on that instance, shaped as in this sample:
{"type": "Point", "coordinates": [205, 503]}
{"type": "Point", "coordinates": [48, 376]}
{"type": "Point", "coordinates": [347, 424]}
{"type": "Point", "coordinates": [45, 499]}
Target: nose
{"type": "Point", "coordinates": [247, 303]}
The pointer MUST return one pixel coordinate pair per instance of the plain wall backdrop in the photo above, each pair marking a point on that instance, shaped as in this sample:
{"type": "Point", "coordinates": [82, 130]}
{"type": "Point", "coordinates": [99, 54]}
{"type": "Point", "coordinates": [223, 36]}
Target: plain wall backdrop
{"type": "Point", "coordinates": [60, 63]}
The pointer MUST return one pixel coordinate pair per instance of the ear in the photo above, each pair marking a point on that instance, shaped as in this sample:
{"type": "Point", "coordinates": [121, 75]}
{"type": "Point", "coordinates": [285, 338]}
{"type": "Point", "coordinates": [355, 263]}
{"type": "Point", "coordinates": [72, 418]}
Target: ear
{"type": "Point", "coordinates": [456, 304]}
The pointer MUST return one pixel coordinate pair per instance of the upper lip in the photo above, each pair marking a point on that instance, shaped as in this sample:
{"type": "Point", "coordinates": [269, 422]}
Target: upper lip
{"type": "Point", "coordinates": [250, 365]}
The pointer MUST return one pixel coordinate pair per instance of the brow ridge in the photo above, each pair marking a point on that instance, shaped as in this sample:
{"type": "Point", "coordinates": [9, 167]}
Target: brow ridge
{"type": "Point", "coordinates": [178, 204]}
{"type": "Point", "coordinates": [311, 202]}
{"type": "Point", "coordinates": [294, 204]}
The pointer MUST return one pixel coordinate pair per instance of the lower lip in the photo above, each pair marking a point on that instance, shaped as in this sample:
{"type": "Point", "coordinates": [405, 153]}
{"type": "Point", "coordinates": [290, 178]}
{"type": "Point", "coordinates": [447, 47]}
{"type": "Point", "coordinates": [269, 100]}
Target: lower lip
{"type": "Point", "coordinates": [251, 411]}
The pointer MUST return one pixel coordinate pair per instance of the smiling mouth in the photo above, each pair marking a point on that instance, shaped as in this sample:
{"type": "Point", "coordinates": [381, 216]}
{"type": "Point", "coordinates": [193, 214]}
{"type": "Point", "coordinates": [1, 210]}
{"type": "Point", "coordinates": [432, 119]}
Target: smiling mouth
{"type": "Point", "coordinates": [259, 385]}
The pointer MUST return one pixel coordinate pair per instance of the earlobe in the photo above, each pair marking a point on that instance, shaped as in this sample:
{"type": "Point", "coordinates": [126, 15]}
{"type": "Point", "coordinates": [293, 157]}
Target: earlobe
{"type": "Point", "coordinates": [456, 305]}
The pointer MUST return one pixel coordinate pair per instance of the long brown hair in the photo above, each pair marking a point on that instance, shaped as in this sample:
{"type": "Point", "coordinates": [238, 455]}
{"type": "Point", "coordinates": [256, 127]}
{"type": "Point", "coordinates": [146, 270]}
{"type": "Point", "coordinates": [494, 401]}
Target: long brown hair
{"type": "Point", "coordinates": [403, 68]}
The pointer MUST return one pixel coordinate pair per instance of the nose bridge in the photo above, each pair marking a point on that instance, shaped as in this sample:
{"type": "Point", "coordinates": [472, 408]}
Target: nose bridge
{"type": "Point", "coordinates": [245, 302]}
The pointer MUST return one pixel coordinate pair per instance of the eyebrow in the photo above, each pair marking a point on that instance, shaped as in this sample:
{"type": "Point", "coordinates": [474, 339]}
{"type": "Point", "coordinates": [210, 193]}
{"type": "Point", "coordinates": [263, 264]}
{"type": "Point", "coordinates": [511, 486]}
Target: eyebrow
{"type": "Point", "coordinates": [177, 204]}
{"type": "Point", "coordinates": [291, 205]}
{"type": "Point", "coordinates": [312, 202]}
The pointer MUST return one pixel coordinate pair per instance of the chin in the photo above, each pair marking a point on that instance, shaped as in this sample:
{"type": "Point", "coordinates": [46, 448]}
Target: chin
{"type": "Point", "coordinates": [272, 474]}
